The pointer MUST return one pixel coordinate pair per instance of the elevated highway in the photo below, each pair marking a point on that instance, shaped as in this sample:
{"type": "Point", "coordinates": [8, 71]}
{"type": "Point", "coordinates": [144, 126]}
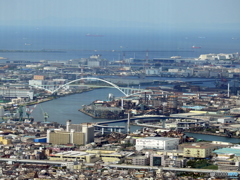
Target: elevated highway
{"type": "Point", "coordinates": [123, 166]}
{"type": "Point", "coordinates": [148, 117]}
{"type": "Point", "coordinates": [141, 120]}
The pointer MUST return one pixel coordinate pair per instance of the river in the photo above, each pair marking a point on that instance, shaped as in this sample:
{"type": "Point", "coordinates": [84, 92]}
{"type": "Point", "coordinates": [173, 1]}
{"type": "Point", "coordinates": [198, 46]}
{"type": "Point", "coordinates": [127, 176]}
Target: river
{"type": "Point", "coordinates": [213, 138]}
{"type": "Point", "coordinates": [64, 108]}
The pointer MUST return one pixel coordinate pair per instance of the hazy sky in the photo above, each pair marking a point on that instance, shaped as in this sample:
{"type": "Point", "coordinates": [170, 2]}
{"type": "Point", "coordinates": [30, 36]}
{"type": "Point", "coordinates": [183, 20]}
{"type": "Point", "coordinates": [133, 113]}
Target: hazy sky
{"type": "Point", "coordinates": [121, 13]}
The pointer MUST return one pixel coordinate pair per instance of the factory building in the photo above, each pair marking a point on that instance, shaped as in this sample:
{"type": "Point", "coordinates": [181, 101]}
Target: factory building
{"type": "Point", "coordinates": [85, 128]}
{"type": "Point", "coordinates": [161, 143]}
{"type": "Point", "coordinates": [220, 56]}
{"type": "Point", "coordinates": [79, 134]}
{"type": "Point", "coordinates": [64, 137]}
{"type": "Point", "coordinates": [16, 93]}
{"type": "Point", "coordinates": [48, 84]}
{"type": "Point", "coordinates": [74, 155]}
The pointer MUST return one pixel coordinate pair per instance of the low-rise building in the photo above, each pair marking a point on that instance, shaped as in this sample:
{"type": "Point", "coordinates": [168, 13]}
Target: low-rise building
{"type": "Point", "coordinates": [111, 156]}
{"type": "Point", "coordinates": [198, 150]}
{"type": "Point", "coordinates": [157, 160]}
{"type": "Point", "coordinates": [74, 155]}
{"type": "Point", "coordinates": [225, 120]}
{"type": "Point", "coordinates": [161, 143]}
{"type": "Point", "coordinates": [140, 160]}
{"type": "Point", "coordinates": [5, 141]}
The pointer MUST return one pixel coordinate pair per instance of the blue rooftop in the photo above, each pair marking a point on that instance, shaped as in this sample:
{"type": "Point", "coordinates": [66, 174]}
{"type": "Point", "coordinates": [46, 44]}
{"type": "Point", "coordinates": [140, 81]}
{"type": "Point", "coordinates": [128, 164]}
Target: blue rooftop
{"type": "Point", "coordinates": [235, 151]}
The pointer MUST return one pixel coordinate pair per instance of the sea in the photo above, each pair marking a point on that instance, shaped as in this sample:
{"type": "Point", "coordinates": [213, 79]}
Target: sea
{"type": "Point", "coordinates": [112, 44]}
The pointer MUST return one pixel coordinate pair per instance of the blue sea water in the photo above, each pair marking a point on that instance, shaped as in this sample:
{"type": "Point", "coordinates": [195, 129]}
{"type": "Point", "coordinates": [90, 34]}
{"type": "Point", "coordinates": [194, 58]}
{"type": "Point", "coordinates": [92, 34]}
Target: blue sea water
{"type": "Point", "coordinates": [112, 44]}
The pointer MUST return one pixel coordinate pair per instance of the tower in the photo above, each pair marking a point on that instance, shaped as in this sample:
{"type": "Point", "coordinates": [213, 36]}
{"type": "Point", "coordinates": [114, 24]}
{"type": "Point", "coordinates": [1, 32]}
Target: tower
{"type": "Point", "coordinates": [128, 124]}
{"type": "Point", "coordinates": [68, 125]}
{"type": "Point", "coordinates": [228, 91]}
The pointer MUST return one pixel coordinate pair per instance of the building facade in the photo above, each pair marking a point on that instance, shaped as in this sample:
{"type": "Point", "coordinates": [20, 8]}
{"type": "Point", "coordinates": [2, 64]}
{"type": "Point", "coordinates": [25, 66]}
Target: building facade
{"type": "Point", "coordinates": [64, 137]}
{"type": "Point", "coordinates": [79, 134]}
{"type": "Point", "coordinates": [161, 143]}
{"type": "Point", "coordinates": [198, 151]}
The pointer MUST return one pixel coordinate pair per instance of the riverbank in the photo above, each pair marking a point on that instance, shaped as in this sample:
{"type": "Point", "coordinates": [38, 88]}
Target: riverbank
{"type": "Point", "coordinates": [213, 134]}
{"type": "Point", "coordinates": [89, 114]}
{"type": "Point", "coordinates": [56, 97]}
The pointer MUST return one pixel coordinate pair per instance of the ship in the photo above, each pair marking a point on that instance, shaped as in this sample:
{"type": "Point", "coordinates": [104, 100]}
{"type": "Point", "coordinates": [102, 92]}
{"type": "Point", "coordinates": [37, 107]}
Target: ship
{"type": "Point", "coordinates": [196, 47]}
{"type": "Point", "coordinates": [94, 35]}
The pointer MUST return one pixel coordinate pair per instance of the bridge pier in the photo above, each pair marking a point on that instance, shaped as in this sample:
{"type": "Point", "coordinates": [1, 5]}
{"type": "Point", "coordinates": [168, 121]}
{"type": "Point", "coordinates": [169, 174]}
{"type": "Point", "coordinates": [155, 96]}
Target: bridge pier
{"type": "Point", "coordinates": [164, 123]}
{"type": "Point", "coordinates": [107, 129]}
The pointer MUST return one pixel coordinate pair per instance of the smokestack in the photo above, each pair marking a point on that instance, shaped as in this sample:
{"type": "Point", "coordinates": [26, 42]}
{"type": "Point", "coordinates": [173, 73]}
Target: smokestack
{"type": "Point", "coordinates": [122, 103]}
{"type": "Point", "coordinates": [128, 124]}
{"type": "Point", "coordinates": [228, 90]}
{"type": "Point", "coordinates": [71, 135]}
{"type": "Point", "coordinates": [68, 124]}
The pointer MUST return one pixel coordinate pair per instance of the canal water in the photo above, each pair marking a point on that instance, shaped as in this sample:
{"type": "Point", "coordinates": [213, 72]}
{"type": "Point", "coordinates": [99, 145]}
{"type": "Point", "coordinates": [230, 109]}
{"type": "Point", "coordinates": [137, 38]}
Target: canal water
{"type": "Point", "coordinates": [212, 138]}
{"type": "Point", "coordinates": [65, 108]}
{"type": "Point", "coordinates": [62, 109]}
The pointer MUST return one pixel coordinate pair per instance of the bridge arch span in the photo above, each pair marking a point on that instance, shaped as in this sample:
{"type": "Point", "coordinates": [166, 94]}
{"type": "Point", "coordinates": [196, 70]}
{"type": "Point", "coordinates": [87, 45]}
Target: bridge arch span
{"type": "Point", "coordinates": [38, 87]}
{"type": "Point", "coordinates": [89, 78]}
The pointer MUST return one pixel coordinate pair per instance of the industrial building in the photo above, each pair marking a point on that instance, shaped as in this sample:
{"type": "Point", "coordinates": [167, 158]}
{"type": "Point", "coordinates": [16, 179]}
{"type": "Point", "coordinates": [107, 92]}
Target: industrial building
{"type": "Point", "coordinates": [79, 134]}
{"type": "Point", "coordinates": [220, 56]}
{"type": "Point", "coordinates": [161, 143]}
{"type": "Point", "coordinates": [86, 128]}
{"type": "Point", "coordinates": [48, 84]}
{"type": "Point", "coordinates": [63, 137]}
{"type": "Point", "coordinates": [16, 93]}
{"type": "Point", "coordinates": [74, 155]}
{"type": "Point", "coordinates": [90, 156]}
{"type": "Point", "coordinates": [112, 156]}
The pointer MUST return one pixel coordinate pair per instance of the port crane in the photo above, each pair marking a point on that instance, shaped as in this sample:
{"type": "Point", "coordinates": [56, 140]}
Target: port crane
{"type": "Point", "coordinates": [30, 110]}
{"type": "Point", "coordinates": [20, 111]}
{"type": "Point", "coordinates": [45, 114]}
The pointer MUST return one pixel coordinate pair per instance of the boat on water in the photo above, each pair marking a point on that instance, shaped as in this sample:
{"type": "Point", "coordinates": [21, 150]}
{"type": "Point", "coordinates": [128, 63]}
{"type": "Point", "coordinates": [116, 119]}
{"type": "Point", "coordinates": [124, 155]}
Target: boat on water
{"type": "Point", "coordinates": [196, 47]}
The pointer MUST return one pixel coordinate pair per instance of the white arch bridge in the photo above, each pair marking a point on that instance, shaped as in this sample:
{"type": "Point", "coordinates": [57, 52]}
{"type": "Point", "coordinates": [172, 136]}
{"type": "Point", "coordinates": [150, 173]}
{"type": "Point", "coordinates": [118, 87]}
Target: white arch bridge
{"type": "Point", "coordinates": [125, 90]}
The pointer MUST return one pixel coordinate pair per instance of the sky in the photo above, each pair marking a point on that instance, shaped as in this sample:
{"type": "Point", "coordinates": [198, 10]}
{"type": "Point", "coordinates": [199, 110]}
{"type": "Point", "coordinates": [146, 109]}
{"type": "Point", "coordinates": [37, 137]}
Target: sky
{"type": "Point", "coordinates": [151, 14]}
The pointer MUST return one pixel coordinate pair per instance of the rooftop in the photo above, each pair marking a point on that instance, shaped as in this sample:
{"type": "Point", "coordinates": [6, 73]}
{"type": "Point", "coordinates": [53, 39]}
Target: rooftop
{"type": "Point", "coordinates": [159, 138]}
{"type": "Point", "coordinates": [71, 153]}
{"type": "Point", "coordinates": [235, 151]}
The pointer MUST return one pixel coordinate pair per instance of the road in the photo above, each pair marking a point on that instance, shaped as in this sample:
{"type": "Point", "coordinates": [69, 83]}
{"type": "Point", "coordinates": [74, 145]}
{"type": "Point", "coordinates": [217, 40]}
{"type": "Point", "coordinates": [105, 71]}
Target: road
{"type": "Point", "coordinates": [120, 166]}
